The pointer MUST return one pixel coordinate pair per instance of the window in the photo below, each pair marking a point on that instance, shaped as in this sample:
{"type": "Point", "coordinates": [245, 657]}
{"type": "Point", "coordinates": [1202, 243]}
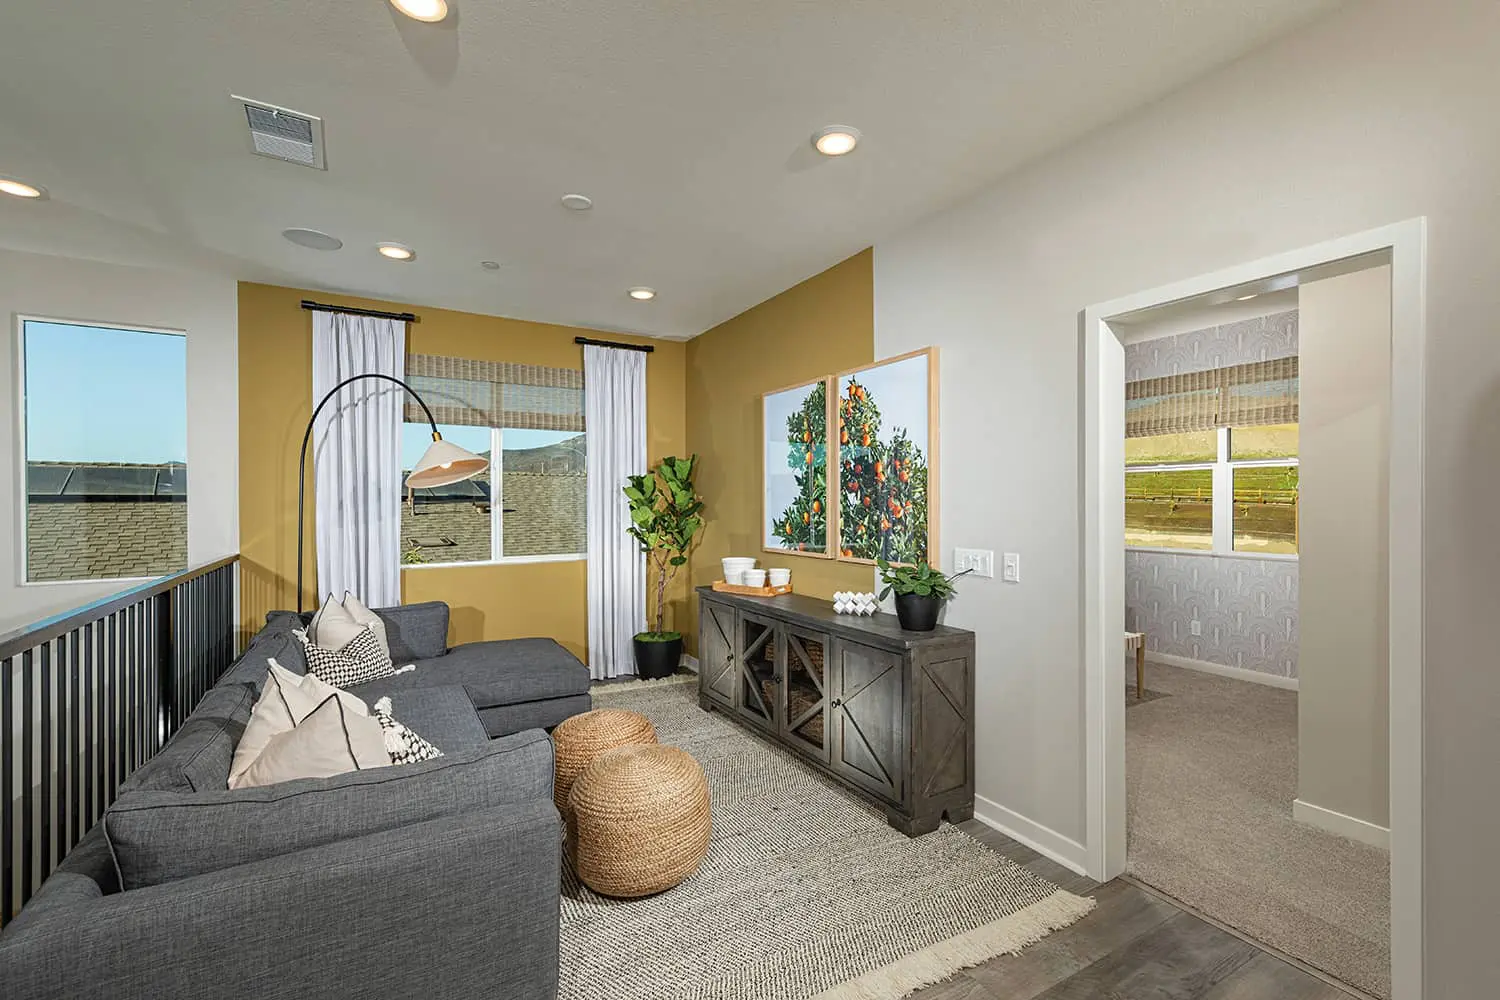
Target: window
{"type": "Point", "coordinates": [1189, 504]}
{"type": "Point", "coordinates": [1211, 460]}
{"type": "Point", "coordinates": [528, 420]}
{"type": "Point", "coordinates": [529, 504]}
{"type": "Point", "coordinates": [104, 419]}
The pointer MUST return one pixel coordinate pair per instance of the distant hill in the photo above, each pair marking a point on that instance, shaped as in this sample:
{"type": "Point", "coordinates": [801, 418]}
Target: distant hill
{"type": "Point", "coordinates": [563, 458]}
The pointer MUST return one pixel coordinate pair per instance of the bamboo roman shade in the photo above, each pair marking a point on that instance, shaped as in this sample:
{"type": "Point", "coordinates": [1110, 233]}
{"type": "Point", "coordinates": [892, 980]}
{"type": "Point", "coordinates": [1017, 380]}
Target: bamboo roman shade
{"type": "Point", "coordinates": [473, 393]}
{"type": "Point", "coordinates": [1248, 395]}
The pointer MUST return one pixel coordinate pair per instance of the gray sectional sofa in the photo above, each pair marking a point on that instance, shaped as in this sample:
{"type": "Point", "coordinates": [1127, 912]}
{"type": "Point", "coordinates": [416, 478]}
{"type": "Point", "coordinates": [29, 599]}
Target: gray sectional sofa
{"type": "Point", "coordinates": [438, 879]}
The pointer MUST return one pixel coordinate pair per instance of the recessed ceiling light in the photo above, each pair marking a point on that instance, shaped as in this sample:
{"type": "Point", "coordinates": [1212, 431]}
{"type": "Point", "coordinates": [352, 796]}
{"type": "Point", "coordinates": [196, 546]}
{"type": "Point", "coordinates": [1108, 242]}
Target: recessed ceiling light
{"type": "Point", "coordinates": [430, 11]}
{"type": "Point", "coordinates": [396, 251]}
{"type": "Point", "coordinates": [490, 265]}
{"type": "Point", "coordinates": [642, 294]}
{"type": "Point", "coordinates": [312, 239]}
{"type": "Point", "coordinates": [835, 140]}
{"type": "Point", "coordinates": [1247, 298]}
{"type": "Point", "coordinates": [577, 202]}
{"type": "Point", "coordinates": [21, 189]}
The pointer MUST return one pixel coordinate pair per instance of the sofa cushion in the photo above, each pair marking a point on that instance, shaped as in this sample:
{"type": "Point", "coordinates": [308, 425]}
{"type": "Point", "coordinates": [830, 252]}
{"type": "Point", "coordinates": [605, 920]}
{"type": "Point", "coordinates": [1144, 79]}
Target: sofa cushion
{"type": "Point", "coordinates": [198, 756]}
{"type": "Point", "coordinates": [502, 720]}
{"type": "Point", "coordinates": [444, 716]}
{"type": "Point", "coordinates": [159, 837]}
{"type": "Point", "coordinates": [275, 641]}
{"type": "Point", "coordinates": [502, 672]}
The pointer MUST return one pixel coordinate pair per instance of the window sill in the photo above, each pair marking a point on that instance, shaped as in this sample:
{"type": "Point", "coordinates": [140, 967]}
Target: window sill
{"type": "Point", "coordinates": [507, 561]}
{"type": "Point", "coordinates": [1266, 556]}
{"type": "Point", "coordinates": [132, 580]}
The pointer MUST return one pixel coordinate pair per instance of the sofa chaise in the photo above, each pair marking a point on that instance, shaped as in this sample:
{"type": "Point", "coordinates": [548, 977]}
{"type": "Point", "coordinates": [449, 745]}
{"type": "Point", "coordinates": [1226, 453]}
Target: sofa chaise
{"type": "Point", "coordinates": [437, 879]}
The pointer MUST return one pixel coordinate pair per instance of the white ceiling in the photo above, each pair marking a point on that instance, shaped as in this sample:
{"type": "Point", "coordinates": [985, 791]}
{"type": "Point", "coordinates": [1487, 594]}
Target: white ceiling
{"type": "Point", "coordinates": [686, 122]}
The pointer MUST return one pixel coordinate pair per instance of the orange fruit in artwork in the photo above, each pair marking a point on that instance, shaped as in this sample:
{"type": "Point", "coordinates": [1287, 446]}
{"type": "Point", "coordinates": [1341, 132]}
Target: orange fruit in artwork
{"type": "Point", "coordinates": [897, 512]}
{"type": "Point", "coordinates": [806, 437]}
{"type": "Point", "coordinates": [806, 517]}
{"type": "Point", "coordinates": [861, 529]}
{"type": "Point", "coordinates": [867, 501]}
{"type": "Point", "coordinates": [848, 552]}
{"type": "Point", "coordinates": [904, 476]}
{"type": "Point", "coordinates": [809, 458]}
{"type": "Point", "coordinates": [885, 525]}
{"type": "Point", "coordinates": [843, 437]}
{"type": "Point", "coordinates": [817, 506]}
{"type": "Point", "coordinates": [865, 441]}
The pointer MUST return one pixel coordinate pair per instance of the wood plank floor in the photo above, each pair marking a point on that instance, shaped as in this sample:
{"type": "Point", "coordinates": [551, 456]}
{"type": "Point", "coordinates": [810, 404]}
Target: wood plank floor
{"type": "Point", "coordinates": [1134, 946]}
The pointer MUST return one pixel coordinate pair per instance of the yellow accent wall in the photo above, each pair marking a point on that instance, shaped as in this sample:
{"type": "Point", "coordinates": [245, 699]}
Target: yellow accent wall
{"type": "Point", "coordinates": [498, 601]}
{"type": "Point", "coordinates": [823, 325]}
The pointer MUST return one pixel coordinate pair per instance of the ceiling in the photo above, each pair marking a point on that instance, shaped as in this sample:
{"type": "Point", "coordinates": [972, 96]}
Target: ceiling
{"type": "Point", "coordinates": [688, 123]}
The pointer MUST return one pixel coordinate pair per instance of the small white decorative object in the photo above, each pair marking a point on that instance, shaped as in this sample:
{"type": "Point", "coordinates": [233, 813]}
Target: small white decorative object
{"type": "Point", "coordinates": [847, 602]}
{"type": "Point", "coordinates": [778, 576]}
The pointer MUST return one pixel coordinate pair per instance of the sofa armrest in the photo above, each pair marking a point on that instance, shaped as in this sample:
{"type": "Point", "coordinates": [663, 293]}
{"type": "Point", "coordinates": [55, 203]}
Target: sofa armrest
{"type": "Point", "coordinates": [457, 907]}
{"type": "Point", "coordinates": [416, 631]}
{"type": "Point", "coordinates": [159, 837]}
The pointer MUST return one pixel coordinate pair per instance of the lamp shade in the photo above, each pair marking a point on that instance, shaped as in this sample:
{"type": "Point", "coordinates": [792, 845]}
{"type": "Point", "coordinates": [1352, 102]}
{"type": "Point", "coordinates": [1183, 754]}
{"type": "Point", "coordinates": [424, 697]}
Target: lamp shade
{"type": "Point", "coordinates": [445, 462]}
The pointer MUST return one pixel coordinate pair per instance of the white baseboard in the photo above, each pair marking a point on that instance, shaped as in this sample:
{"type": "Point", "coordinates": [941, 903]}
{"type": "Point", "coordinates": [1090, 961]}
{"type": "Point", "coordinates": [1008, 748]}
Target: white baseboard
{"type": "Point", "coordinates": [1047, 842]}
{"type": "Point", "coordinates": [1345, 826]}
{"type": "Point", "coordinates": [690, 662]}
{"type": "Point", "coordinates": [1238, 673]}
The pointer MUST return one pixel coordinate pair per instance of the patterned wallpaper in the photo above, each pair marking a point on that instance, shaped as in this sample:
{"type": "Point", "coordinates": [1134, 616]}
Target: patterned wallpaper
{"type": "Point", "coordinates": [1247, 607]}
{"type": "Point", "coordinates": [1260, 339]}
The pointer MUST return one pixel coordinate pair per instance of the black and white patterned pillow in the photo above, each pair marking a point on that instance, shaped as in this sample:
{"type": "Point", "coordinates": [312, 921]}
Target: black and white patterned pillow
{"type": "Point", "coordinates": [404, 746]}
{"type": "Point", "coordinates": [361, 659]}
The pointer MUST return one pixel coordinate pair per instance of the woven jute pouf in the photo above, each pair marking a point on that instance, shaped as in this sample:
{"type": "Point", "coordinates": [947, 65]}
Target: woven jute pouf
{"type": "Point", "coordinates": [579, 740]}
{"type": "Point", "coordinates": [638, 821]}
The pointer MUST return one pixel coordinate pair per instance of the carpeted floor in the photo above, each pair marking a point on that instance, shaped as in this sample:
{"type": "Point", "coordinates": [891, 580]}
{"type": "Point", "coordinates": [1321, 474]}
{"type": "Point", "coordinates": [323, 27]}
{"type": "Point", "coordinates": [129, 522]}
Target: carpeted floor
{"type": "Point", "coordinates": [806, 892]}
{"type": "Point", "coordinates": [1211, 771]}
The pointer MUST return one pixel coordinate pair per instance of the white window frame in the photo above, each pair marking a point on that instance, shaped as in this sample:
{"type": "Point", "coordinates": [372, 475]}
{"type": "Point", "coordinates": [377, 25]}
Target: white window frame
{"type": "Point", "coordinates": [1223, 501]}
{"type": "Point", "coordinates": [22, 498]}
{"type": "Point", "coordinates": [497, 522]}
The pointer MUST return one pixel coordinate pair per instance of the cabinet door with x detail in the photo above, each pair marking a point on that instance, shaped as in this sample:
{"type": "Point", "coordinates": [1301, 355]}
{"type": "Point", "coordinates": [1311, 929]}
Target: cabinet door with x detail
{"type": "Point", "coordinates": [804, 709]}
{"type": "Point", "coordinates": [757, 659]}
{"type": "Point", "coordinates": [716, 639]}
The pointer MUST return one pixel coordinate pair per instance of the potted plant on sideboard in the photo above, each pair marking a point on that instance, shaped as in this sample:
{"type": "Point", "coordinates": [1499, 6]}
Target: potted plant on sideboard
{"type": "Point", "coordinates": [920, 590]}
{"type": "Point", "coordinates": [664, 516]}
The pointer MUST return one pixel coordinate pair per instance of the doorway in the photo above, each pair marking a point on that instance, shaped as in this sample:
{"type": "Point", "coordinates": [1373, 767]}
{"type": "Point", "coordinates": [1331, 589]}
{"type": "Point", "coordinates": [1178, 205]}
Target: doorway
{"type": "Point", "coordinates": [1402, 247]}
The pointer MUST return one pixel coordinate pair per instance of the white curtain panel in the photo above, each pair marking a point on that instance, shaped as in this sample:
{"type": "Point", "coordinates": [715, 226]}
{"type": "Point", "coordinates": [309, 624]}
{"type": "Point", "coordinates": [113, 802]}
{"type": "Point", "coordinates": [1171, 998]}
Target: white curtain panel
{"type": "Point", "coordinates": [614, 406]}
{"type": "Point", "coordinates": [357, 457]}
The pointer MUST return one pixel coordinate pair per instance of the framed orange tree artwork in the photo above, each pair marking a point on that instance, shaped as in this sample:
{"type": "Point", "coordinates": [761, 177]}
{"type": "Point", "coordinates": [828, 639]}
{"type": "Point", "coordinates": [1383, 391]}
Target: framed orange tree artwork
{"type": "Point", "coordinates": [886, 465]}
{"type": "Point", "coordinates": [795, 487]}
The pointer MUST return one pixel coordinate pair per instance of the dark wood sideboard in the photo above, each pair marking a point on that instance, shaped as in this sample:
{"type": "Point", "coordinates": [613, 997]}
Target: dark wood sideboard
{"type": "Point", "coordinates": [889, 713]}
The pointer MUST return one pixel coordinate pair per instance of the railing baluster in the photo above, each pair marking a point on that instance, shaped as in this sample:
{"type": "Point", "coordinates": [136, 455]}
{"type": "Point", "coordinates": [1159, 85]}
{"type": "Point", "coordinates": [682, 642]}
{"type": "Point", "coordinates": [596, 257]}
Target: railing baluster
{"type": "Point", "coordinates": [90, 729]}
{"type": "Point", "coordinates": [110, 661]}
{"type": "Point", "coordinates": [46, 710]}
{"type": "Point", "coordinates": [7, 789]}
{"type": "Point", "coordinates": [28, 793]}
{"type": "Point", "coordinates": [76, 766]}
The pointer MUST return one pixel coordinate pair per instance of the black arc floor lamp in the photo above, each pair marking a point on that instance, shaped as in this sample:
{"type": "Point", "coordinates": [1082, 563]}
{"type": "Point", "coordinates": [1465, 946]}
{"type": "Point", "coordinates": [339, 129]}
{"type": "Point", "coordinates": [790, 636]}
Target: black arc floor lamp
{"type": "Point", "coordinates": [441, 464]}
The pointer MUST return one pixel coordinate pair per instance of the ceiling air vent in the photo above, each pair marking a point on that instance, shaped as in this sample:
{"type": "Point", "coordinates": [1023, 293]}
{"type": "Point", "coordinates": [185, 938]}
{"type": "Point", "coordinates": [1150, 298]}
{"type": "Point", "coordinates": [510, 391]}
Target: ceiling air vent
{"type": "Point", "coordinates": [283, 134]}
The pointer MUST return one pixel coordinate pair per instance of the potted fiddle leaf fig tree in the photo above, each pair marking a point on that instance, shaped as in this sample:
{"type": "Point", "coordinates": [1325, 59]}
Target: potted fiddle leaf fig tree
{"type": "Point", "coordinates": [665, 518]}
{"type": "Point", "coordinates": [921, 592]}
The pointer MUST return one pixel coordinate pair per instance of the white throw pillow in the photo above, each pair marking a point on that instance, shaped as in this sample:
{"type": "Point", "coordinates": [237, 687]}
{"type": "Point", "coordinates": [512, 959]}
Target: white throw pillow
{"type": "Point", "coordinates": [286, 700]}
{"type": "Point", "coordinates": [359, 661]}
{"type": "Point", "coordinates": [364, 616]}
{"type": "Point", "coordinates": [333, 626]}
{"type": "Point", "coordinates": [330, 740]}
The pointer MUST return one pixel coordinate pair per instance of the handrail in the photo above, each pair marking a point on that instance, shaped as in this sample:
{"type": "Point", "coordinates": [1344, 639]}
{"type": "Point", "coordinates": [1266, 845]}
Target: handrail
{"type": "Point", "coordinates": [26, 637]}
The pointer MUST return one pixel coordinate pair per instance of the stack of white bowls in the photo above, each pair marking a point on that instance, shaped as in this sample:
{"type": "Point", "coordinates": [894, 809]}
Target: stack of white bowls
{"type": "Point", "coordinates": [735, 567]}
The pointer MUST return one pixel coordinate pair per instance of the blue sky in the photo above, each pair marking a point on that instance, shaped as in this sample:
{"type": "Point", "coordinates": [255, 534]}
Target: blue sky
{"type": "Point", "coordinates": [101, 395]}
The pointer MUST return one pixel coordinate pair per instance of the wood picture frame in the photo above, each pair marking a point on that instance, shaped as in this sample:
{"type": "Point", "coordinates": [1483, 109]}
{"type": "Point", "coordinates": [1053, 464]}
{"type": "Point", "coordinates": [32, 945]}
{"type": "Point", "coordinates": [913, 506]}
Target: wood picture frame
{"type": "Point", "coordinates": [794, 508]}
{"type": "Point", "coordinates": [887, 458]}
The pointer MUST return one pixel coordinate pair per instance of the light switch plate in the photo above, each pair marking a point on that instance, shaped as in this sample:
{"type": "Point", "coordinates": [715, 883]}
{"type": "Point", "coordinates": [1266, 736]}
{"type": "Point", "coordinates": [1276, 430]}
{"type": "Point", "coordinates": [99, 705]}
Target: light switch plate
{"type": "Point", "coordinates": [980, 562]}
{"type": "Point", "coordinates": [1012, 569]}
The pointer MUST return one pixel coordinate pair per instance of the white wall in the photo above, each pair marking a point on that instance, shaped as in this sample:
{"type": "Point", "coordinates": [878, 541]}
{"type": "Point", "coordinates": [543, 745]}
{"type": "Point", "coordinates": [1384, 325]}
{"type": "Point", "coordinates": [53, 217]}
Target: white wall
{"type": "Point", "coordinates": [205, 306]}
{"type": "Point", "coordinates": [1343, 709]}
{"type": "Point", "coordinates": [1381, 113]}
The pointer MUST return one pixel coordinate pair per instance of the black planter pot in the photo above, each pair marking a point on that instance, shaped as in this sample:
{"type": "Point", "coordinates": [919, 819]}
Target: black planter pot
{"type": "Point", "coordinates": [918, 613]}
{"type": "Point", "coordinates": [655, 660]}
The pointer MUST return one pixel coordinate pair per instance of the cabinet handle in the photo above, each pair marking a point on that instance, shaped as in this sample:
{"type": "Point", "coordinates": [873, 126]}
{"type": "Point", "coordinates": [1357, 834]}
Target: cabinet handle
{"type": "Point", "coordinates": [836, 702]}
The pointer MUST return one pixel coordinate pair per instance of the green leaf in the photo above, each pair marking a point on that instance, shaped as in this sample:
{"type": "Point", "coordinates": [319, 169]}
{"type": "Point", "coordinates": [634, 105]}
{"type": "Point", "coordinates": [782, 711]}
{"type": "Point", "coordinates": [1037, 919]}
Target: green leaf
{"type": "Point", "coordinates": [641, 516]}
{"type": "Point", "coordinates": [678, 560]}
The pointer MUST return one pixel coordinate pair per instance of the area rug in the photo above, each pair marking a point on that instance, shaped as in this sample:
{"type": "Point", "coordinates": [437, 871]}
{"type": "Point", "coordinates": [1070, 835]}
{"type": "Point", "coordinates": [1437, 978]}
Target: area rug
{"type": "Point", "coordinates": [805, 893]}
{"type": "Point", "coordinates": [1211, 773]}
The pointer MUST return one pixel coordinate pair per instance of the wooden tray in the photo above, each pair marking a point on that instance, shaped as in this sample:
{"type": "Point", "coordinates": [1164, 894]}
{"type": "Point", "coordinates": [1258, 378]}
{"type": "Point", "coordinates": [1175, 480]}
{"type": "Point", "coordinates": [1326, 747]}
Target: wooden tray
{"type": "Point", "coordinates": [734, 588]}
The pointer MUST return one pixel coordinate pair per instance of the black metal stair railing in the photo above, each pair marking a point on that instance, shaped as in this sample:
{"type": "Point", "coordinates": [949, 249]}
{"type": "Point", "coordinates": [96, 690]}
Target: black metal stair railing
{"type": "Point", "coordinates": [88, 696]}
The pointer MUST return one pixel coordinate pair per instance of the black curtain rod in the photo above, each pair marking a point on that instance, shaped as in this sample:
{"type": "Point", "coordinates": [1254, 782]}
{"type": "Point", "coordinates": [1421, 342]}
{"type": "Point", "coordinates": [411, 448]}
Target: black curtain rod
{"type": "Point", "coordinates": [643, 348]}
{"type": "Point", "coordinates": [351, 311]}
